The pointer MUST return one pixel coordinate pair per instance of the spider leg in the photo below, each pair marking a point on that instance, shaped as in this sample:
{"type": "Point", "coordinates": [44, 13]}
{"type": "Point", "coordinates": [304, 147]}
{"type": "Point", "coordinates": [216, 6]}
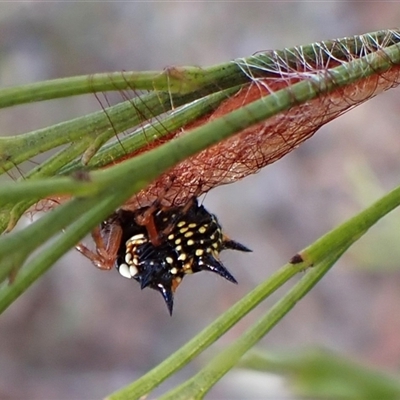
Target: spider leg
{"type": "Point", "coordinates": [146, 219]}
{"type": "Point", "coordinates": [106, 250]}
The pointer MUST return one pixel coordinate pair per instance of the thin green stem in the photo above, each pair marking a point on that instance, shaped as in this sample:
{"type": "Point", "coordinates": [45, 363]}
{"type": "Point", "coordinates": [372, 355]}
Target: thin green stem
{"type": "Point", "coordinates": [197, 386]}
{"type": "Point", "coordinates": [156, 130]}
{"type": "Point", "coordinates": [205, 338]}
{"type": "Point", "coordinates": [187, 79]}
{"type": "Point", "coordinates": [16, 247]}
{"type": "Point", "coordinates": [74, 219]}
{"type": "Point", "coordinates": [351, 230]}
{"type": "Point", "coordinates": [105, 124]}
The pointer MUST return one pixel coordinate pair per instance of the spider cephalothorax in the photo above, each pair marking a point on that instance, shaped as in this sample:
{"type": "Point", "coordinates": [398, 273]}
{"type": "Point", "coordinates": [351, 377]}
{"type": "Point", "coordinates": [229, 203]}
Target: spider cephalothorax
{"type": "Point", "coordinates": [190, 241]}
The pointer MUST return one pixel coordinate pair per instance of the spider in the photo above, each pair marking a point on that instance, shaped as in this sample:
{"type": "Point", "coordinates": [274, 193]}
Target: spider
{"type": "Point", "coordinates": [158, 246]}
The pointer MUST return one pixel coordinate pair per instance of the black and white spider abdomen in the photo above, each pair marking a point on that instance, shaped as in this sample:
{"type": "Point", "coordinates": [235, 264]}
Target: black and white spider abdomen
{"type": "Point", "coordinates": [191, 240]}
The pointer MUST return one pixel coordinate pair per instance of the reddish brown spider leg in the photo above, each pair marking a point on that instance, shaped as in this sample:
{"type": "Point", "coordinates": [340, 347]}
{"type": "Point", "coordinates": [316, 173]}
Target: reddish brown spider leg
{"type": "Point", "coordinates": [154, 236]}
{"type": "Point", "coordinates": [106, 252]}
{"type": "Point", "coordinates": [147, 220]}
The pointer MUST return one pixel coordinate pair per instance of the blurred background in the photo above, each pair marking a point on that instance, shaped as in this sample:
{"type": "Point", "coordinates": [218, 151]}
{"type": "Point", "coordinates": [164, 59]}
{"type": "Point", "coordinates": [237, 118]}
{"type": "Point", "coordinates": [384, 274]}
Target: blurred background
{"type": "Point", "coordinates": [81, 333]}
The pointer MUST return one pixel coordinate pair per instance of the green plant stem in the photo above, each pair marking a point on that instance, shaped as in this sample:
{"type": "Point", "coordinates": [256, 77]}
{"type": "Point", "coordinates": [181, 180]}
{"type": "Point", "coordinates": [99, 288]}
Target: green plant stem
{"type": "Point", "coordinates": [103, 124]}
{"type": "Point", "coordinates": [101, 82]}
{"type": "Point", "coordinates": [351, 230]}
{"type": "Point", "coordinates": [16, 247]}
{"type": "Point", "coordinates": [187, 79]}
{"type": "Point", "coordinates": [74, 218]}
{"type": "Point", "coordinates": [145, 135]}
{"type": "Point", "coordinates": [202, 382]}
{"type": "Point", "coordinates": [45, 187]}
{"type": "Point", "coordinates": [205, 338]}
